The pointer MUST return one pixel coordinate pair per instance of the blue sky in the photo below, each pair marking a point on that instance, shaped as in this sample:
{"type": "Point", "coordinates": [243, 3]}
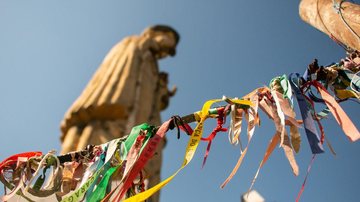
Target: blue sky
{"type": "Point", "coordinates": [50, 49]}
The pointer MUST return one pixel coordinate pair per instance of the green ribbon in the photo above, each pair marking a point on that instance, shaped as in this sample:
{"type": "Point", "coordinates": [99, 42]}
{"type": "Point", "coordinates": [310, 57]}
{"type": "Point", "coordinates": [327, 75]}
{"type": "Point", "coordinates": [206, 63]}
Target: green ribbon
{"type": "Point", "coordinates": [284, 83]}
{"type": "Point", "coordinates": [135, 131]}
{"type": "Point", "coordinates": [100, 190]}
{"type": "Point", "coordinates": [102, 168]}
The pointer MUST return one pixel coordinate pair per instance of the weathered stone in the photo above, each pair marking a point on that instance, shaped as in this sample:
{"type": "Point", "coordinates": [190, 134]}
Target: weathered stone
{"type": "Point", "coordinates": [125, 91]}
{"type": "Point", "coordinates": [322, 15]}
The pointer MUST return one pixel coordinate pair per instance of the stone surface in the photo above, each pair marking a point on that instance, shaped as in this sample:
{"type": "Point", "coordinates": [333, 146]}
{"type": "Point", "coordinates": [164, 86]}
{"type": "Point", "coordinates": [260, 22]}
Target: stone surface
{"type": "Point", "coordinates": [322, 15]}
{"type": "Point", "coordinates": [125, 91]}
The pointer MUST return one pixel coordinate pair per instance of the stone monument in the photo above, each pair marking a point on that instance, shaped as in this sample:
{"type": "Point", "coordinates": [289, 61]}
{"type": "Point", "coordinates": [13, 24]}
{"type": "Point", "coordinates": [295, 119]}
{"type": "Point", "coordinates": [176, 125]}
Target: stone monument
{"type": "Point", "coordinates": [128, 89]}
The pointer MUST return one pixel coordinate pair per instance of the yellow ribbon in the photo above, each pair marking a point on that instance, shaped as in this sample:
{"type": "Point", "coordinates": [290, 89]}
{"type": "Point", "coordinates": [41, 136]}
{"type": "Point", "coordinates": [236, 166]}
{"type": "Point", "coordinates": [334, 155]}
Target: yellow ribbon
{"type": "Point", "coordinates": [190, 149]}
{"type": "Point", "coordinates": [345, 94]}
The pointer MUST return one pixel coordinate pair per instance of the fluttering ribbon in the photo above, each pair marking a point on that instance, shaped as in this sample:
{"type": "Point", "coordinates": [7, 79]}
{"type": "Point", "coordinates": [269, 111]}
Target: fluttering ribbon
{"type": "Point", "coordinates": [251, 126]}
{"type": "Point", "coordinates": [286, 143]}
{"type": "Point", "coordinates": [100, 190]}
{"type": "Point", "coordinates": [12, 160]}
{"type": "Point", "coordinates": [219, 128]}
{"type": "Point", "coordinates": [340, 116]}
{"type": "Point", "coordinates": [306, 177]}
{"type": "Point", "coordinates": [236, 114]}
{"type": "Point", "coordinates": [147, 152]}
{"type": "Point", "coordinates": [17, 160]}
{"type": "Point", "coordinates": [88, 185]}
{"type": "Point", "coordinates": [305, 110]}
{"type": "Point", "coordinates": [268, 107]}
{"type": "Point", "coordinates": [123, 160]}
{"type": "Point", "coordinates": [189, 153]}
{"type": "Point", "coordinates": [272, 144]}
{"type": "Point", "coordinates": [190, 150]}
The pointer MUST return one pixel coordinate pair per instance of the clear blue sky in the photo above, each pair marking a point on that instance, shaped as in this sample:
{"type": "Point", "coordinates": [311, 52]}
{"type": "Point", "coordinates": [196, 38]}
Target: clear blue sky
{"type": "Point", "coordinates": [50, 49]}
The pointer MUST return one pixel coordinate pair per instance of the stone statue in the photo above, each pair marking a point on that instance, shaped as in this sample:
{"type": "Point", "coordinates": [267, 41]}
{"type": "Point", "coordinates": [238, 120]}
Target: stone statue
{"type": "Point", "coordinates": [125, 91]}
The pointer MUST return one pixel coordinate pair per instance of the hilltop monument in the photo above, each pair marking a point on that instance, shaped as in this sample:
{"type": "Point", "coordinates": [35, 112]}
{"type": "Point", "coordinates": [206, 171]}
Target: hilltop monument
{"type": "Point", "coordinates": [128, 89]}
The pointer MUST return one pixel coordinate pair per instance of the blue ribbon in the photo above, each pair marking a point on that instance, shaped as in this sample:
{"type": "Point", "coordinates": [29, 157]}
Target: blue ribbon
{"type": "Point", "coordinates": [305, 109]}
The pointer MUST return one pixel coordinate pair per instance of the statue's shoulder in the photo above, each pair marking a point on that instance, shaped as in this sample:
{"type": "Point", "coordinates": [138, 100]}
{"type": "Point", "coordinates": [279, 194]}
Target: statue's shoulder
{"type": "Point", "coordinates": [128, 45]}
{"type": "Point", "coordinates": [128, 41]}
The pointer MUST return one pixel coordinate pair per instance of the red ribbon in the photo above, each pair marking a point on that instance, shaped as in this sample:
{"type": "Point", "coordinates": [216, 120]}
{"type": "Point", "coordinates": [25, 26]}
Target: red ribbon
{"type": "Point", "coordinates": [219, 128]}
{"type": "Point", "coordinates": [14, 158]}
{"type": "Point", "coordinates": [145, 155]}
{"type": "Point", "coordinates": [306, 177]}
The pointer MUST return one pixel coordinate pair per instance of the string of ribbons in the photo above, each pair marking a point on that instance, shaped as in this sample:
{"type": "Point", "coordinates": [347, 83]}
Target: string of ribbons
{"type": "Point", "coordinates": [114, 171]}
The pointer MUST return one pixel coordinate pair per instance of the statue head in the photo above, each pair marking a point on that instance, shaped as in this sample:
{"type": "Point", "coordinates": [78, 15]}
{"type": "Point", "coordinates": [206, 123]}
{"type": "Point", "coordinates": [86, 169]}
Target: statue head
{"type": "Point", "coordinates": [166, 38]}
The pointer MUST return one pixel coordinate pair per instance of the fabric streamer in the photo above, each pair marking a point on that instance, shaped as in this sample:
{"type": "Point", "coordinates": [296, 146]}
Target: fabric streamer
{"type": "Point", "coordinates": [79, 193]}
{"type": "Point", "coordinates": [280, 114]}
{"type": "Point", "coordinates": [190, 151]}
{"type": "Point", "coordinates": [235, 125]}
{"type": "Point", "coordinates": [210, 138]}
{"type": "Point", "coordinates": [114, 171]}
{"type": "Point", "coordinates": [18, 161]}
{"type": "Point", "coordinates": [306, 177]}
{"type": "Point", "coordinates": [286, 144]}
{"type": "Point", "coordinates": [309, 125]}
{"type": "Point", "coordinates": [147, 152]}
{"type": "Point", "coordinates": [254, 99]}
{"type": "Point", "coordinates": [272, 144]}
{"type": "Point", "coordinates": [340, 116]}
